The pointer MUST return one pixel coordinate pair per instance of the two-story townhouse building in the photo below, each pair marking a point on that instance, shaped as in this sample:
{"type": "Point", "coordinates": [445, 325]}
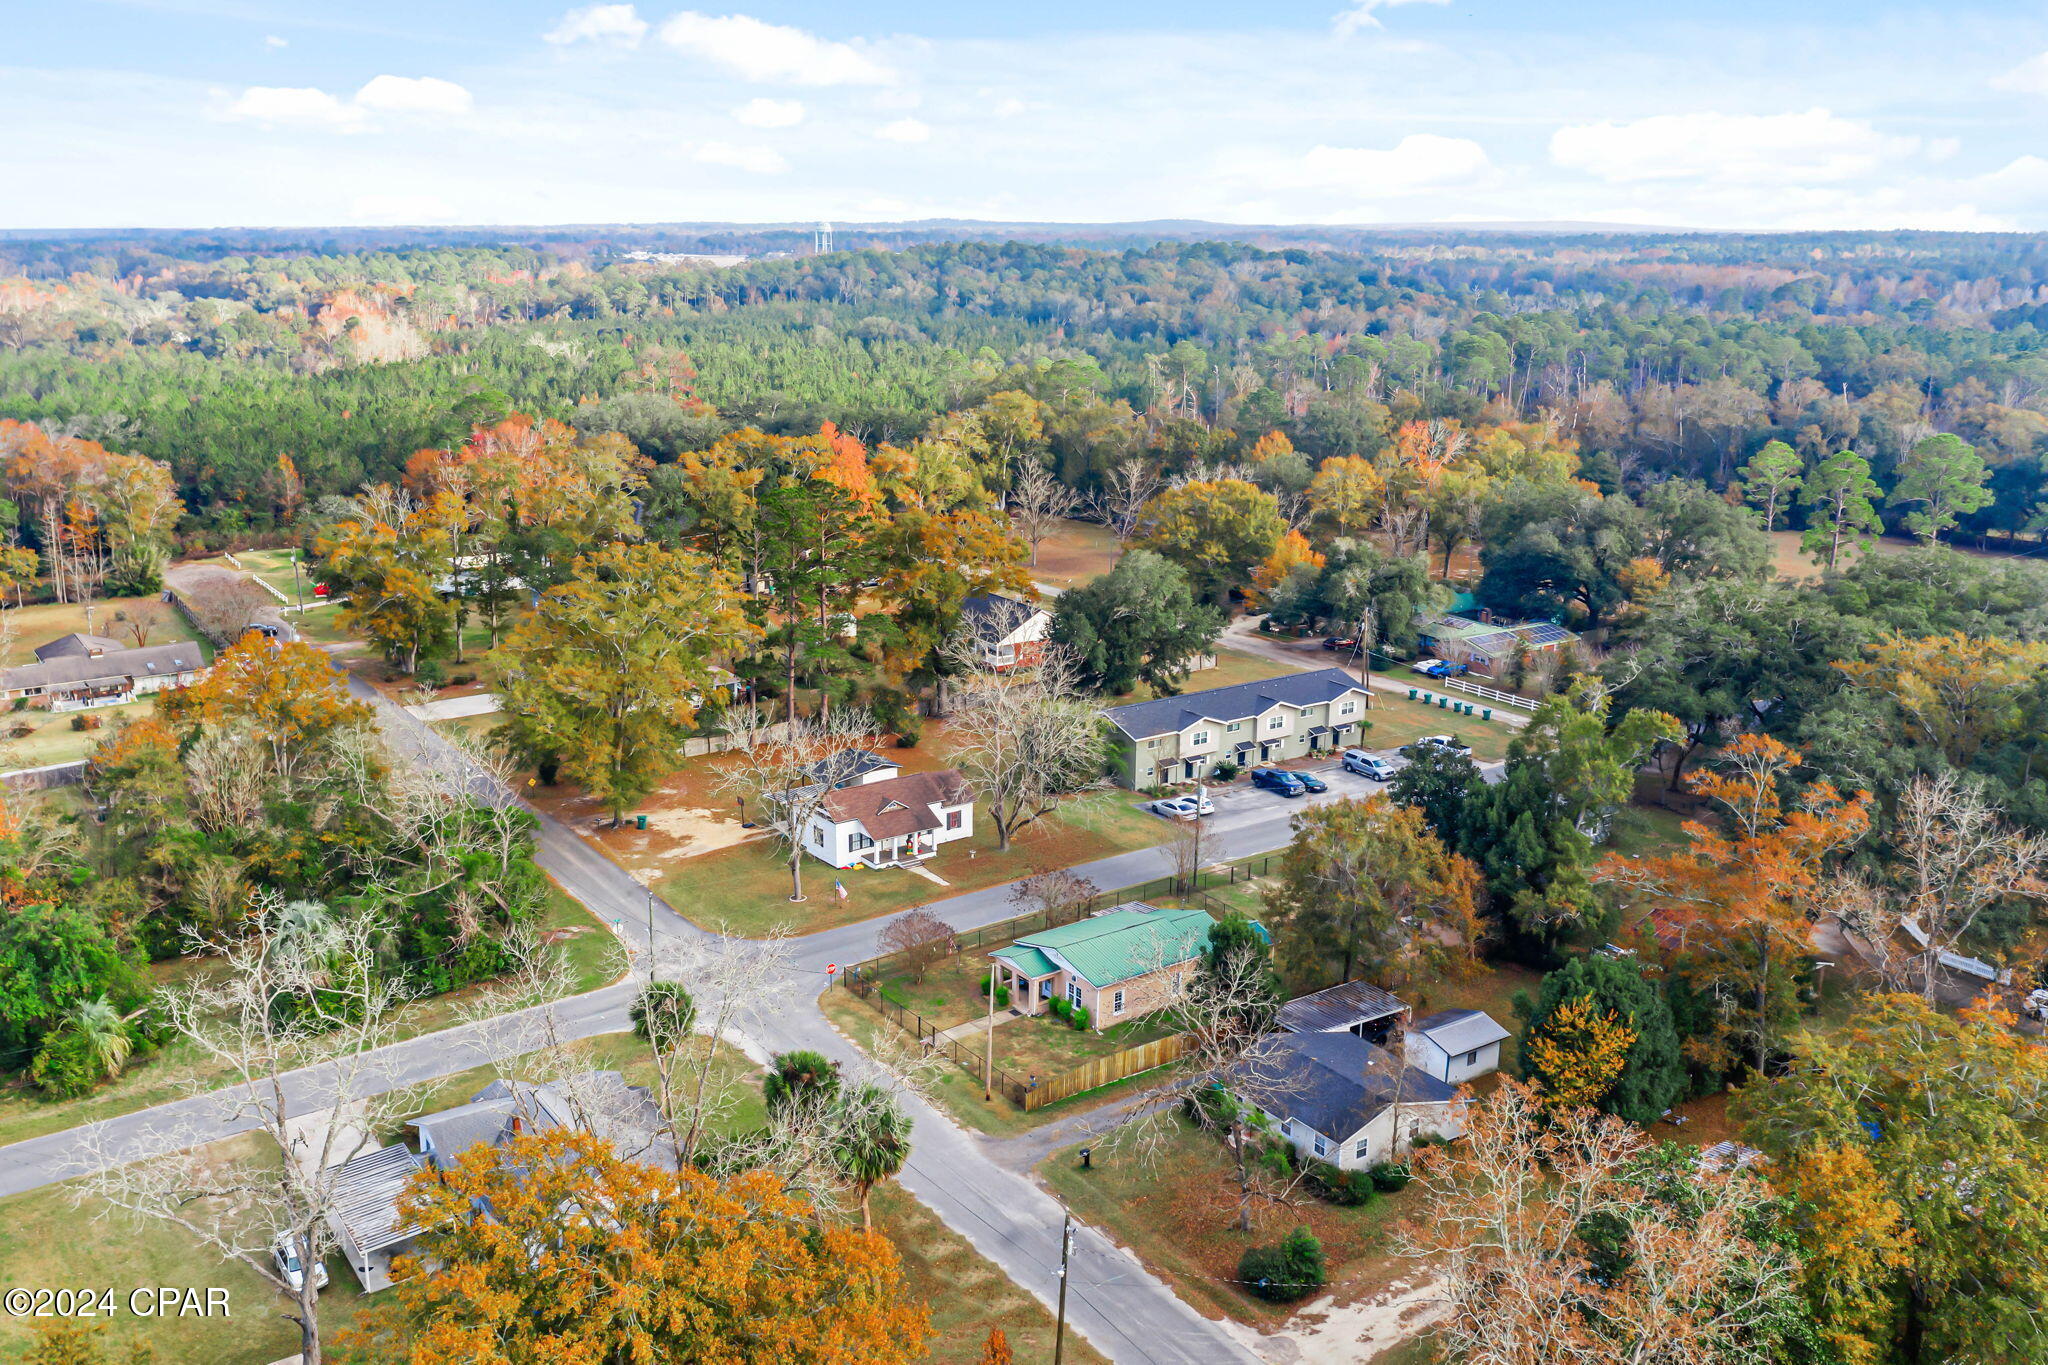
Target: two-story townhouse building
{"type": "Point", "coordinates": [1182, 739]}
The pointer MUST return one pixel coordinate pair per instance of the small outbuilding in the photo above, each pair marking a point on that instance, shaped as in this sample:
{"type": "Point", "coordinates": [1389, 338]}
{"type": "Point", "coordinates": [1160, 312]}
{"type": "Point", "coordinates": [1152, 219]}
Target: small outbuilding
{"type": "Point", "coordinates": [1355, 1007]}
{"type": "Point", "coordinates": [1454, 1046]}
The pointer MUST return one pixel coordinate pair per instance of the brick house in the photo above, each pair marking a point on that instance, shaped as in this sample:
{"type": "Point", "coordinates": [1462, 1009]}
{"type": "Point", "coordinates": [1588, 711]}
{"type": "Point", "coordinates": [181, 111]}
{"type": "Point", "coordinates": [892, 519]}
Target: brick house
{"type": "Point", "coordinates": [1119, 964]}
{"type": "Point", "coordinates": [1009, 633]}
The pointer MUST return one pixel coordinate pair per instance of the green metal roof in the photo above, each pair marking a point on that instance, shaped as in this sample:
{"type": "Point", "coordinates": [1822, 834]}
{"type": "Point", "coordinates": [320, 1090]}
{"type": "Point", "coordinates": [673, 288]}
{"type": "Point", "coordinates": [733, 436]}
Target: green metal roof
{"type": "Point", "coordinates": [1125, 942]}
{"type": "Point", "coordinates": [1029, 961]}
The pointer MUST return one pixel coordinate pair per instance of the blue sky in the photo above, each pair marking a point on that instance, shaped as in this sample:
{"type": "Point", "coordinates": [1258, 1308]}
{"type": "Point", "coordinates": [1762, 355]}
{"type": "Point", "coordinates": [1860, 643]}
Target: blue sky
{"type": "Point", "coordinates": [201, 113]}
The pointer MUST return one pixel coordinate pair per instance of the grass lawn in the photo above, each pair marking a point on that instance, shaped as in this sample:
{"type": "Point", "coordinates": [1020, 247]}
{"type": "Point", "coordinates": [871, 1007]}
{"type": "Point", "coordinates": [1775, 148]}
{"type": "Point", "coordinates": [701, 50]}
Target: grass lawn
{"type": "Point", "coordinates": [1177, 1213]}
{"type": "Point", "coordinates": [51, 738]}
{"type": "Point", "coordinates": [47, 1243]}
{"type": "Point", "coordinates": [746, 888]}
{"type": "Point", "coordinates": [28, 628]}
{"type": "Point", "coordinates": [1394, 720]}
{"type": "Point", "coordinates": [178, 1070]}
{"type": "Point", "coordinates": [1788, 561]}
{"type": "Point", "coordinates": [1232, 667]}
{"type": "Point", "coordinates": [1075, 552]}
{"type": "Point", "coordinates": [967, 1292]}
{"type": "Point", "coordinates": [1641, 831]}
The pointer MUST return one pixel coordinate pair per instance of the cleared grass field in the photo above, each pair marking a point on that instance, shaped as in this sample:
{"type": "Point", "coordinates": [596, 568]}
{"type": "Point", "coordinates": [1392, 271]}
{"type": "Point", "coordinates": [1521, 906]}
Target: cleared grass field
{"type": "Point", "coordinates": [24, 629]}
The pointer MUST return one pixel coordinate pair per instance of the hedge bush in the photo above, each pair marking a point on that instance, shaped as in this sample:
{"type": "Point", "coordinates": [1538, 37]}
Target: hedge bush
{"type": "Point", "coordinates": [1390, 1176]}
{"type": "Point", "coordinates": [1347, 1189]}
{"type": "Point", "coordinates": [1080, 1017]}
{"type": "Point", "coordinates": [1289, 1270]}
{"type": "Point", "coordinates": [1060, 1007]}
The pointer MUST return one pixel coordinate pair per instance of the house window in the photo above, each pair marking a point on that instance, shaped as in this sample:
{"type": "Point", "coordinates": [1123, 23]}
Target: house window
{"type": "Point", "coordinates": [1277, 723]}
{"type": "Point", "coordinates": [1074, 994]}
{"type": "Point", "coordinates": [1198, 739]}
{"type": "Point", "coordinates": [1287, 1127]}
{"type": "Point", "coordinates": [1471, 1058]}
{"type": "Point", "coordinates": [1322, 1147]}
{"type": "Point", "coordinates": [1362, 1152]}
{"type": "Point", "coordinates": [952, 819]}
{"type": "Point", "coordinates": [859, 842]}
{"type": "Point", "coordinates": [1116, 1003]}
{"type": "Point", "coordinates": [1234, 726]}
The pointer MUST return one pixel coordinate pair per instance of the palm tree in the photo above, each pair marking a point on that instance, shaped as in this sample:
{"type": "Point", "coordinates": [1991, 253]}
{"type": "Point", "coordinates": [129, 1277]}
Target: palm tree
{"type": "Point", "coordinates": [797, 1079]}
{"type": "Point", "coordinates": [873, 1141]}
{"type": "Point", "coordinates": [102, 1035]}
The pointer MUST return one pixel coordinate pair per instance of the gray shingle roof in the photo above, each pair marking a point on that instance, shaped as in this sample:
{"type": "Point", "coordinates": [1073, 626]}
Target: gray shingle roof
{"type": "Point", "coordinates": [1171, 715]}
{"type": "Point", "coordinates": [1336, 1083]}
{"type": "Point", "coordinates": [77, 645]}
{"type": "Point", "coordinates": [1459, 1030]}
{"type": "Point", "coordinates": [1339, 1007]}
{"type": "Point", "coordinates": [70, 670]}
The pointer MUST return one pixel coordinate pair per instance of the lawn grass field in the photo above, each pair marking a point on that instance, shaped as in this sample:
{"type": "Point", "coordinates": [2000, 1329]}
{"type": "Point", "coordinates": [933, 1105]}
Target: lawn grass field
{"type": "Point", "coordinates": [1394, 720]}
{"type": "Point", "coordinates": [1075, 552]}
{"type": "Point", "coordinates": [1232, 667]}
{"type": "Point", "coordinates": [52, 738]}
{"type": "Point", "coordinates": [746, 888]}
{"type": "Point", "coordinates": [593, 953]}
{"type": "Point", "coordinates": [1176, 1207]}
{"type": "Point", "coordinates": [24, 629]}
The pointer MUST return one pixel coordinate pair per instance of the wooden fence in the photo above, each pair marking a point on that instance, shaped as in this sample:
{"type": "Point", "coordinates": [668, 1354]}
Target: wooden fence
{"type": "Point", "coordinates": [1104, 1070]}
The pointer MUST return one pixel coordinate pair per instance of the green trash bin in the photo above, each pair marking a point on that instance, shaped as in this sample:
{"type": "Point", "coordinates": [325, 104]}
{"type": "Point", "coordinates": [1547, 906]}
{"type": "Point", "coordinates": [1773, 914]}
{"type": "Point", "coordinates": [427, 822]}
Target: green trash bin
{"type": "Point", "coordinates": [640, 822]}
{"type": "Point", "coordinates": [1411, 694]}
{"type": "Point", "coordinates": [1488, 715]}
{"type": "Point", "coordinates": [1442, 703]}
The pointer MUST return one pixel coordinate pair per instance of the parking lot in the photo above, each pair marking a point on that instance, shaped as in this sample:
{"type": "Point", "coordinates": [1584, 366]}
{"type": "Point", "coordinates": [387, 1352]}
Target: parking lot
{"type": "Point", "coordinates": [1240, 802]}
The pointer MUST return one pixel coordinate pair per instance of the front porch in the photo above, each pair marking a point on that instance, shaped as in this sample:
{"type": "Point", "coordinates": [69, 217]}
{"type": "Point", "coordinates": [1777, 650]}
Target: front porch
{"type": "Point", "coordinates": [85, 698]}
{"type": "Point", "coordinates": [904, 851]}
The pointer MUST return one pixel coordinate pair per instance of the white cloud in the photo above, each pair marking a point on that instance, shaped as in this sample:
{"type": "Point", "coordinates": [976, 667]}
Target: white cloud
{"type": "Point", "coordinates": [294, 105]}
{"type": "Point", "coordinates": [1009, 108]}
{"type": "Point", "coordinates": [1419, 161]}
{"type": "Point", "coordinates": [273, 42]}
{"type": "Point", "coordinates": [905, 130]}
{"type": "Point", "coordinates": [2030, 77]}
{"type": "Point", "coordinates": [413, 95]}
{"type": "Point", "coordinates": [754, 160]}
{"type": "Point", "coordinates": [772, 52]}
{"type": "Point", "coordinates": [1365, 14]}
{"type": "Point", "coordinates": [1771, 149]}
{"type": "Point", "coordinates": [767, 113]}
{"type": "Point", "coordinates": [400, 208]}
{"type": "Point", "coordinates": [599, 24]}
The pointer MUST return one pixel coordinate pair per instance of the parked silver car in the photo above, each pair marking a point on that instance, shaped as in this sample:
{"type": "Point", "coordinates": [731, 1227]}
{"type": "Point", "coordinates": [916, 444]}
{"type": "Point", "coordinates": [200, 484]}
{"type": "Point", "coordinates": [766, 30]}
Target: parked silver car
{"type": "Point", "coordinates": [285, 1252]}
{"type": "Point", "coordinates": [1182, 807]}
{"type": "Point", "coordinates": [1368, 765]}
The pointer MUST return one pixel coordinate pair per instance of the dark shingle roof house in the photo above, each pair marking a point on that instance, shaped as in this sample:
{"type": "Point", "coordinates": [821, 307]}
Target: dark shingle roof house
{"type": "Point", "coordinates": [85, 669]}
{"type": "Point", "coordinates": [1336, 1083]}
{"type": "Point", "coordinates": [80, 646]}
{"type": "Point", "coordinates": [1171, 715]}
{"type": "Point", "coordinates": [624, 1114]}
{"type": "Point", "coordinates": [993, 617]}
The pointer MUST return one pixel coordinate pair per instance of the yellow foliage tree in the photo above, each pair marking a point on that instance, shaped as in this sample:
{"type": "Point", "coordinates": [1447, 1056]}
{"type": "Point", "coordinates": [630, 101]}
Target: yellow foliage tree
{"type": "Point", "coordinates": [1580, 1051]}
{"type": "Point", "coordinates": [1954, 692]}
{"type": "Point", "coordinates": [1292, 552]}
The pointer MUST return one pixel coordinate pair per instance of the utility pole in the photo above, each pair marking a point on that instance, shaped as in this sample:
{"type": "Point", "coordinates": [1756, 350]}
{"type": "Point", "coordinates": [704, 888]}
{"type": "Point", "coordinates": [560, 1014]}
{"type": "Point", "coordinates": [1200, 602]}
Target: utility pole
{"type": "Point", "coordinates": [1059, 1333]}
{"type": "Point", "coordinates": [1366, 626]}
{"type": "Point", "coordinates": [298, 584]}
{"type": "Point", "coordinates": [988, 1064]}
{"type": "Point", "coordinates": [650, 933]}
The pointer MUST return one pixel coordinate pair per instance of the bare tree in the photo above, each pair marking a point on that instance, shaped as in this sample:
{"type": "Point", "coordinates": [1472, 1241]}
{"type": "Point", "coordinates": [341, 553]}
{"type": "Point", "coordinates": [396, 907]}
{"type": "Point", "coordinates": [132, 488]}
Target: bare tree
{"type": "Point", "coordinates": [1190, 852]}
{"type": "Point", "coordinates": [302, 989]}
{"type": "Point", "coordinates": [1039, 503]}
{"type": "Point", "coordinates": [140, 620]}
{"type": "Point", "coordinates": [1027, 739]}
{"type": "Point", "coordinates": [920, 938]}
{"type": "Point", "coordinates": [1125, 490]}
{"type": "Point", "coordinates": [787, 770]}
{"type": "Point", "coordinates": [1959, 860]}
{"type": "Point", "coordinates": [735, 981]}
{"type": "Point", "coordinates": [222, 603]}
{"type": "Point", "coordinates": [1059, 893]}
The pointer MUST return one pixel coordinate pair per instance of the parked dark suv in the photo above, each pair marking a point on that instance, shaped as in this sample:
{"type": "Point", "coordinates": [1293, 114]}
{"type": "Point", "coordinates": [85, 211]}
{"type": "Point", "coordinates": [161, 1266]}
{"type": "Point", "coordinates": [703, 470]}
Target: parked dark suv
{"type": "Point", "coordinates": [1279, 780]}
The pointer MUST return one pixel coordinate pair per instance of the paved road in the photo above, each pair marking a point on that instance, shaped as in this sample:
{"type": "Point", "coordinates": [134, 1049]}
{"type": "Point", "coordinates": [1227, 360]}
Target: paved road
{"type": "Point", "coordinates": [1244, 636]}
{"type": "Point", "coordinates": [1113, 1301]}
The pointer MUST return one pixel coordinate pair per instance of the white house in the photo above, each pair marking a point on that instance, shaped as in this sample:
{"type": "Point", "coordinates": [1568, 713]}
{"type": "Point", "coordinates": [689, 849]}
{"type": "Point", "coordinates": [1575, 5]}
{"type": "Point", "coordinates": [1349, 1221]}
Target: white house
{"type": "Point", "coordinates": [891, 822]}
{"type": "Point", "coordinates": [1455, 1045]}
{"type": "Point", "coordinates": [1337, 1098]}
{"type": "Point", "coordinates": [77, 671]}
{"type": "Point", "coordinates": [1009, 633]}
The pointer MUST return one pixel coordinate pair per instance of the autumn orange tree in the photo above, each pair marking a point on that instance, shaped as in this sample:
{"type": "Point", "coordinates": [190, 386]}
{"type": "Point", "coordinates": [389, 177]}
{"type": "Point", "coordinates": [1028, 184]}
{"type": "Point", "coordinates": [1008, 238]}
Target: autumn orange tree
{"type": "Point", "coordinates": [1732, 910]}
{"type": "Point", "coordinates": [1292, 553]}
{"type": "Point", "coordinates": [391, 563]}
{"type": "Point", "coordinates": [286, 695]}
{"type": "Point", "coordinates": [585, 1258]}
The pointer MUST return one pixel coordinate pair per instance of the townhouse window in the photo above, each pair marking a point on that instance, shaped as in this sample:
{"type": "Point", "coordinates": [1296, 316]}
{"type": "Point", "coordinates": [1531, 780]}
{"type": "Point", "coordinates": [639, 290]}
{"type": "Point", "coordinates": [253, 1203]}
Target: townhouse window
{"type": "Point", "coordinates": [1198, 739]}
{"type": "Point", "coordinates": [1347, 708]}
{"type": "Point", "coordinates": [1322, 1147]}
{"type": "Point", "coordinates": [1116, 1003]}
{"type": "Point", "coordinates": [1362, 1151]}
{"type": "Point", "coordinates": [1234, 727]}
{"type": "Point", "coordinates": [1277, 723]}
{"type": "Point", "coordinates": [952, 819]}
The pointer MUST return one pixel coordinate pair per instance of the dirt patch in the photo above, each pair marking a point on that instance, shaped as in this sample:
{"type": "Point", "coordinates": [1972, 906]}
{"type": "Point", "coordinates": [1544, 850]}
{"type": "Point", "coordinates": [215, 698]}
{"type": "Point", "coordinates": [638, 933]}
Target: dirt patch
{"type": "Point", "coordinates": [1331, 1332]}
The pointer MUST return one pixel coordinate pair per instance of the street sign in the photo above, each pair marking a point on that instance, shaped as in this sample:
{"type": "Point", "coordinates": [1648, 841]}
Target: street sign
{"type": "Point", "coordinates": [831, 968]}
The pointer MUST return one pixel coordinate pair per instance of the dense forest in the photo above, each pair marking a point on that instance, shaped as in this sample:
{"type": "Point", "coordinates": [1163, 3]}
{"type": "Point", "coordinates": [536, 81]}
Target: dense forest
{"type": "Point", "coordinates": [1668, 356]}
